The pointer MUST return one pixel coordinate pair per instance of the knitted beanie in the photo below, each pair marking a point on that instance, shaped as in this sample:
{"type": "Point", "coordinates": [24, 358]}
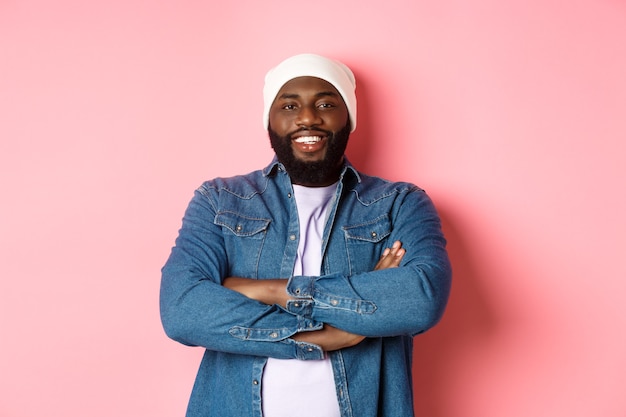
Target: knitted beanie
{"type": "Point", "coordinates": [311, 65]}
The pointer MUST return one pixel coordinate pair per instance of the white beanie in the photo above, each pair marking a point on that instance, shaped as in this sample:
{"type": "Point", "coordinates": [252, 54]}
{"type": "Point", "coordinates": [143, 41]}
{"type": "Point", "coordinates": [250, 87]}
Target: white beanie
{"type": "Point", "coordinates": [311, 65]}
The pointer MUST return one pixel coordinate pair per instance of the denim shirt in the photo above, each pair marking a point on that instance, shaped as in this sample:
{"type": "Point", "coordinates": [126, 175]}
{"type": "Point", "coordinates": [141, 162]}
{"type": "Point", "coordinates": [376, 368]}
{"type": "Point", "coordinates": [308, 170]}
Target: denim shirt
{"type": "Point", "coordinates": [247, 226]}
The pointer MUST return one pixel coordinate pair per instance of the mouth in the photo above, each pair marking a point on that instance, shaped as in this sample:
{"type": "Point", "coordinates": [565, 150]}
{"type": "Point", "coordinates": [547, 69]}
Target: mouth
{"type": "Point", "coordinates": [309, 136]}
{"type": "Point", "coordinates": [309, 143]}
{"type": "Point", "coordinates": [308, 140]}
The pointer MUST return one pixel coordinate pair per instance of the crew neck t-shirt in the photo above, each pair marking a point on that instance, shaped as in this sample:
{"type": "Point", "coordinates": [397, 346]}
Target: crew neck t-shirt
{"type": "Point", "coordinates": [292, 387]}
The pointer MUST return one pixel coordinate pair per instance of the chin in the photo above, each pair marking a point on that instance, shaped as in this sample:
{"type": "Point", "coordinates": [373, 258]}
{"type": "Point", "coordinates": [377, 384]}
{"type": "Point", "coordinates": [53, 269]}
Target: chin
{"type": "Point", "coordinates": [316, 170]}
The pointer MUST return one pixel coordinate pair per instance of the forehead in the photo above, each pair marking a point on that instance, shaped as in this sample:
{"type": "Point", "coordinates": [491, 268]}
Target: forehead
{"type": "Point", "coordinates": [302, 86]}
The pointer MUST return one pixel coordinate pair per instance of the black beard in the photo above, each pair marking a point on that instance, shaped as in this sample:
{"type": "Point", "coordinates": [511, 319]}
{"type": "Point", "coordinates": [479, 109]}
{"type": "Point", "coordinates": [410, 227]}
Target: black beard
{"type": "Point", "coordinates": [316, 173]}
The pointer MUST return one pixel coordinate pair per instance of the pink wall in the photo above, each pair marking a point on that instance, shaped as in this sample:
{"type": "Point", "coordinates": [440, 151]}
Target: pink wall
{"type": "Point", "coordinates": [510, 114]}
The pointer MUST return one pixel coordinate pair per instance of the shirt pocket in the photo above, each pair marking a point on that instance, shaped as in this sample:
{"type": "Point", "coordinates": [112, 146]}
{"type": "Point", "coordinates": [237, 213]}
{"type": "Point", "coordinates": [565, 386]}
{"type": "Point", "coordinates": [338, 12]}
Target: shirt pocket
{"type": "Point", "coordinates": [366, 241]}
{"type": "Point", "coordinates": [244, 237]}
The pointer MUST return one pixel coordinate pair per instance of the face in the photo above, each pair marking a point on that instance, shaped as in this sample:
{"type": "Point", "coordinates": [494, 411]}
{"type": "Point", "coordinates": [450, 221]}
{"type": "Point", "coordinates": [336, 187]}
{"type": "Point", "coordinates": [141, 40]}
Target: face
{"type": "Point", "coordinates": [309, 129]}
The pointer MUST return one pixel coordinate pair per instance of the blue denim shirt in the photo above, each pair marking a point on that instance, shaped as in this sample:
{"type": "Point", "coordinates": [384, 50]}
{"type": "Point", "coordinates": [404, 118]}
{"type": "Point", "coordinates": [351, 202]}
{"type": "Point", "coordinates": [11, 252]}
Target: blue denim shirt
{"type": "Point", "coordinates": [247, 226]}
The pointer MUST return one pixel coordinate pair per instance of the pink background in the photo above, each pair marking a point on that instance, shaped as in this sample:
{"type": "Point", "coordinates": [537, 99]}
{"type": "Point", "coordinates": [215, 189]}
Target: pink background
{"type": "Point", "coordinates": [512, 115]}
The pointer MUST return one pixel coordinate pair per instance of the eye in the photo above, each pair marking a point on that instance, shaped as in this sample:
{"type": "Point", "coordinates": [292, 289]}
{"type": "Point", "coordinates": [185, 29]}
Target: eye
{"type": "Point", "coordinates": [326, 105]}
{"type": "Point", "coordinates": [289, 106]}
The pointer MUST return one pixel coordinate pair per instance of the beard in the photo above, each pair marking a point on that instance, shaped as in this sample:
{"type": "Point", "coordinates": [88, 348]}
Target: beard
{"type": "Point", "coordinates": [312, 173]}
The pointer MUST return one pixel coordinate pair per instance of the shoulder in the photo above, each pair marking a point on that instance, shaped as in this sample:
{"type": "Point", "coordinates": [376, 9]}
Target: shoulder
{"type": "Point", "coordinates": [369, 189]}
{"type": "Point", "coordinates": [244, 186]}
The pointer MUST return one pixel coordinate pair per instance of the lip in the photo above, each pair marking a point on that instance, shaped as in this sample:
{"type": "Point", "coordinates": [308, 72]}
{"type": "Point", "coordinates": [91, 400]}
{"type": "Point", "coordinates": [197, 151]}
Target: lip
{"type": "Point", "coordinates": [309, 133]}
{"type": "Point", "coordinates": [309, 142]}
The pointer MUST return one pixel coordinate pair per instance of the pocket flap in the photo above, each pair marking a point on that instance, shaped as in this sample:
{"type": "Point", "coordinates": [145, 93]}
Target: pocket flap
{"type": "Point", "coordinates": [241, 225]}
{"type": "Point", "coordinates": [372, 231]}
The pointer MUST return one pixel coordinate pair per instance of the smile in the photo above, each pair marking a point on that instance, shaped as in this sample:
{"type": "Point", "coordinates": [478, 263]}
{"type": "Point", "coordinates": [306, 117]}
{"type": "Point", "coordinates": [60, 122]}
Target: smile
{"type": "Point", "coordinates": [308, 140]}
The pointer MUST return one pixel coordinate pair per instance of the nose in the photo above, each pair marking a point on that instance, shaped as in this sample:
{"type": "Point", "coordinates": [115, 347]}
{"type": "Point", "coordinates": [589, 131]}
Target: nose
{"type": "Point", "coordinates": [308, 116]}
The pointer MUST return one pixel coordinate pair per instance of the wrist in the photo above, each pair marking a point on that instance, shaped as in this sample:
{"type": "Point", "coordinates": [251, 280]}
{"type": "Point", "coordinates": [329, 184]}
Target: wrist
{"type": "Point", "coordinates": [277, 292]}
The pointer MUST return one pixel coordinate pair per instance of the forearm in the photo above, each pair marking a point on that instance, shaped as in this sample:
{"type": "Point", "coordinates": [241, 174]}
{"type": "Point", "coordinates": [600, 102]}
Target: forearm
{"type": "Point", "coordinates": [329, 338]}
{"type": "Point", "coordinates": [267, 291]}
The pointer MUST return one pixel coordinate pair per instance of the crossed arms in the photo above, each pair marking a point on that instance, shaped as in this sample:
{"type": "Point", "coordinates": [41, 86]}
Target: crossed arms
{"type": "Point", "coordinates": [284, 318]}
{"type": "Point", "coordinates": [274, 291]}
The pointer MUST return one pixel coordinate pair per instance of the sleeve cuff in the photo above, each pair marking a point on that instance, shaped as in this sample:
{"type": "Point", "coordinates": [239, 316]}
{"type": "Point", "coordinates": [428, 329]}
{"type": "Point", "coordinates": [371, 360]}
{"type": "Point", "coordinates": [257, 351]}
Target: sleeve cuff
{"type": "Point", "coordinates": [308, 352]}
{"type": "Point", "coordinates": [309, 295]}
{"type": "Point", "coordinates": [301, 286]}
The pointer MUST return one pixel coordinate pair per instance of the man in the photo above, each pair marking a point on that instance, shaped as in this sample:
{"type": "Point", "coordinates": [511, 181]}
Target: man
{"type": "Point", "coordinates": [305, 281]}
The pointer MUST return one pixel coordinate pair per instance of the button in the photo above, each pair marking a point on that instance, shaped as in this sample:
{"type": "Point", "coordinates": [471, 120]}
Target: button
{"type": "Point", "coordinates": [289, 195]}
{"type": "Point", "coordinates": [274, 335]}
{"type": "Point", "coordinates": [310, 349]}
{"type": "Point", "coordinates": [374, 234]}
{"type": "Point", "coordinates": [239, 228]}
{"type": "Point", "coordinates": [334, 302]}
{"type": "Point", "coordinates": [292, 237]}
{"type": "Point", "coordinates": [255, 382]}
{"type": "Point", "coordinates": [296, 304]}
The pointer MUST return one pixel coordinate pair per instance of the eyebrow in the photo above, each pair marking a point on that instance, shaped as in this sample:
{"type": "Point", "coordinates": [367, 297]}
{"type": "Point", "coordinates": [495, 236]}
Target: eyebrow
{"type": "Point", "coordinates": [318, 95]}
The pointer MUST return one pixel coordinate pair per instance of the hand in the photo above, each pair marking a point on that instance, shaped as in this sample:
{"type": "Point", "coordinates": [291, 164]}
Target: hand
{"type": "Point", "coordinates": [391, 257]}
{"type": "Point", "coordinates": [329, 338]}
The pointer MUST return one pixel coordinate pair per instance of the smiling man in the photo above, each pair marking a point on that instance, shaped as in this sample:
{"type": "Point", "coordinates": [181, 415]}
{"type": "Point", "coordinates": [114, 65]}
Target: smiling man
{"type": "Point", "coordinates": [305, 282]}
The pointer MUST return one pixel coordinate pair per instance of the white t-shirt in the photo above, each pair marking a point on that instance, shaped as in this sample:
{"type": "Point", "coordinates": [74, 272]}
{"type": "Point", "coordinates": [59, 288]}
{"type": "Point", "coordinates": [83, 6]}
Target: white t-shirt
{"type": "Point", "coordinates": [290, 386]}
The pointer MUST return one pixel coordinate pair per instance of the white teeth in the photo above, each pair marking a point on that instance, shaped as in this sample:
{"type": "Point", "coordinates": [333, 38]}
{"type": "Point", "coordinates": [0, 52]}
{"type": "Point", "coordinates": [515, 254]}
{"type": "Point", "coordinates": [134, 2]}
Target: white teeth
{"type": "Point", "coordinates": [308, 140]}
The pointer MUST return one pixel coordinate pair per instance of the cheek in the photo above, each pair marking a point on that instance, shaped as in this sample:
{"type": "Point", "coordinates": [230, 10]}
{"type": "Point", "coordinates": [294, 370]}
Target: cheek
{"type": "Point", "coordinates": [280, 123]}
{"type": "Point", "coordinates": [338, 120]}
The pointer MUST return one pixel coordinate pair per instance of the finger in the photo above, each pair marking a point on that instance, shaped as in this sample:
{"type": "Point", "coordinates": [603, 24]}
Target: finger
{"type": "Point", "coordinates": [396, 249]}
{"type": "Point", "coordinates": [390, 261]}
{"type": "Point", "coordinates": [394, 258]}
{"type": "Point", "coordinates": [381, 259]}
{"type": "Point", "coordinates": [391, 257]}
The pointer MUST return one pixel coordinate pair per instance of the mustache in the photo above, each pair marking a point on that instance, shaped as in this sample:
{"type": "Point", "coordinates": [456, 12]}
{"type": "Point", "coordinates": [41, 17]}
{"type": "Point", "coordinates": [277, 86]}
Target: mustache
{"type": "Point", "coordinates": [328, 133]}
